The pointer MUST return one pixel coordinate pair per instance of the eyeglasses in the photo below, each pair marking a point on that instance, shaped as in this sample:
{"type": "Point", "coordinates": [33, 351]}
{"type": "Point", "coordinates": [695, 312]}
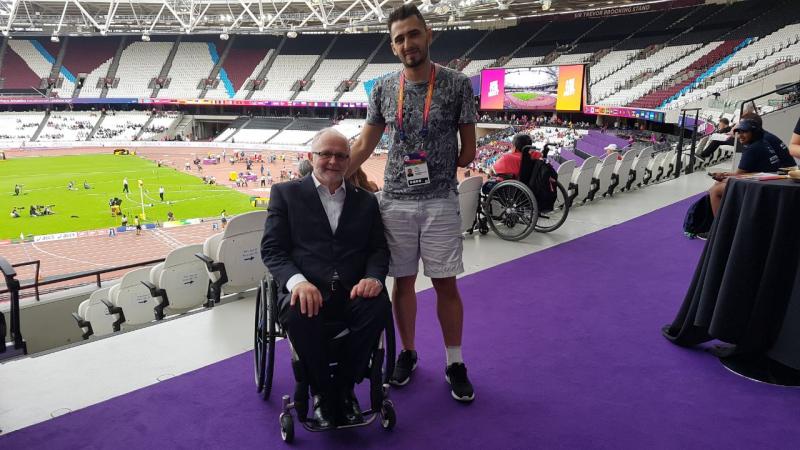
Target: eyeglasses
{"type": "Point", "coordinates": [329, 155]}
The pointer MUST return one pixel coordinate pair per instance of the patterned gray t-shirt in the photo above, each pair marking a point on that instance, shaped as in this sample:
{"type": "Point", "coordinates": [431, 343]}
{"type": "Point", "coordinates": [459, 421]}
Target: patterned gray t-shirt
{"type": "Point", "coordinates": [453, 104]}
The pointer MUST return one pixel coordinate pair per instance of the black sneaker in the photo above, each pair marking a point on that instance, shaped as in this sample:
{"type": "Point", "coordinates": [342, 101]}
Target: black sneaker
{"type": "Point", "coordinates": [460, 387]}
{"type": "Point", "coordinates": [406, 363]}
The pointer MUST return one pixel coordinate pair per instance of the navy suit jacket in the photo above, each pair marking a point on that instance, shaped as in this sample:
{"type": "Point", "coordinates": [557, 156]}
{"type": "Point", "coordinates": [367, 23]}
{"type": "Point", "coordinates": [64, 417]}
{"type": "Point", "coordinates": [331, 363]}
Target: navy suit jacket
{"type": "Point", "coordinates": [298, 238]}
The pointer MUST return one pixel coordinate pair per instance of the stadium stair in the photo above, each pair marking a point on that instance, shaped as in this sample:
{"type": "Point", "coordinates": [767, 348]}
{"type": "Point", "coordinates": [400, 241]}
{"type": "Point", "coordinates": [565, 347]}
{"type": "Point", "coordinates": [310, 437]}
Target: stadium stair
{"type": "Point", "coordinates": [58, 67]}
{"type": "Point", "coordinates": [112, 69]}
{"type": "Point", "coordinates": [353, 80]}
{"type": "Point", "coordinates": [167, 65]}
{"type": "Point", "coordinates": [265, 70]}
{"type": "Point", "coordinates": [309, 77]}
{"type": "Point", "coordinates": [41, 126]}
{"type": "Point", "coordinates": [96, 126]}
{"type": "Point", "coordinates": [141, 130]}
{"type": "Point", "coordinates": [218, 70]}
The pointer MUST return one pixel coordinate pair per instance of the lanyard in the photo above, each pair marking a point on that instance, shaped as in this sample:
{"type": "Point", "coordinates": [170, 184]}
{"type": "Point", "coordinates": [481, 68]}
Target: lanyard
{"type": "Point", "coordinates": [426, 109]}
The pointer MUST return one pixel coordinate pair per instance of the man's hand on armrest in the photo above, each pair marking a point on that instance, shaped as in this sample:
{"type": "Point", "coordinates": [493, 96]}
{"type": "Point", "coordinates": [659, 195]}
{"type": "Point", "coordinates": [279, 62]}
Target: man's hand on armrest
{"type": "Point", "coordinates": [308, 296]}
{"type": "Point", "coordinates": [367, 288]}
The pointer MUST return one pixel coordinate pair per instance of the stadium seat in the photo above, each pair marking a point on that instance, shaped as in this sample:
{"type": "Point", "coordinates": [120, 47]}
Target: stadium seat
{"type": "Point", "coordinates": [469, 192]}
{"type": "Point", "coordinates": [180, 283]}
{"type": "Point", "coordinates": [640, 174]}
{"type": "Point", "coordinates": [565, 171]}
{"type": "Point", "coordinates": [95, 317]}
{"type": "Point", "coordinates": [623, 172]}
{"type": "Point", "coordinates": [134, 298]}
{"type": "Point", "coordinates": [232, 257]}
{"type": "Point", "coordinates": [582, 181]}
{"type": "Point", "coordinates": [602, 176]}
{"type": "Point", "coordinates": [655, 168]}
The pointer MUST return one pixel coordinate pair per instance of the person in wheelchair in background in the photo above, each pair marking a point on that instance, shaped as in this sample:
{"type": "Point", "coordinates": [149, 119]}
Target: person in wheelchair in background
{"type": "Point", "coordinates": [325, 247]}
{"type": "Point", "coordinates": [507, 167]}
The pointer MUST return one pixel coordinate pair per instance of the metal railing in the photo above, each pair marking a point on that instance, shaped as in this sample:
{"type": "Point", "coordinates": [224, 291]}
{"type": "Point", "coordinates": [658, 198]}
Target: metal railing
{"type": "Point", "coordinates": [37, 283]}
{"type": "Point", "coordinates": [17, 345]}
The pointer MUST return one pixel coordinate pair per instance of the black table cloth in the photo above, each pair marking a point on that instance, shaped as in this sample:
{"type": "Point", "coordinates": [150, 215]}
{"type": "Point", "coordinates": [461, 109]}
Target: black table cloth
{"type": "Point", "coordinates": [746, 287]}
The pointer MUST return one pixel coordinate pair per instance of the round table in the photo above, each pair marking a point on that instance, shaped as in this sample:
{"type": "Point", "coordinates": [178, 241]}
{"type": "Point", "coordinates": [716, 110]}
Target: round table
{"type": "Point", "coordinates": [746, 288]}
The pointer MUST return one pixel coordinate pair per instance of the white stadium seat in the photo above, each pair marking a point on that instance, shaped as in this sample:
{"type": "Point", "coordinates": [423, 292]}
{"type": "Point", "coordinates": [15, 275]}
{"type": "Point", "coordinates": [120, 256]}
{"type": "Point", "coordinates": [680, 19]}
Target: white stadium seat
{"type": "Point", "coordinates": [469, 192]}
{"type": "Point", "coordinates": [94, 316]}
{"type": "Point", "coordinates": [232, 258]}
{"type": "Point", "coordinates": [640, 168]}
{"type": "Point", "coordinates": [180, 283]}
{"type": "Point", "coordinates": [582, 181]}
{"type": "Point", "coordinates": [602, 176]}
{"type": "Point", "coordinates": [565, 171]}
{"type": "Point", "coordinates": [622, 171]}
{"type": "Point", "coordinates": [134, 298]}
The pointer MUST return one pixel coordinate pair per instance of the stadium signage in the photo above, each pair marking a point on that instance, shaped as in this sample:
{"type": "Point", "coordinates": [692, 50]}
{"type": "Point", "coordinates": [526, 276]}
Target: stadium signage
{"type": "Point", "coordinates": [633, 9]}
{"type": "Point", "coordinates": [55, 237]}
{"type": "Point", "coordinates": [622, 111]}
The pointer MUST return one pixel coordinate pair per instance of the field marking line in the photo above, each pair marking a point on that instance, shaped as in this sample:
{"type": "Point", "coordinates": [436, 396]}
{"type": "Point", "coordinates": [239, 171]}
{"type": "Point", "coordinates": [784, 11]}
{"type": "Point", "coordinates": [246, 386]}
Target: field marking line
{"type": "Point", "coordinates": [67, 257]}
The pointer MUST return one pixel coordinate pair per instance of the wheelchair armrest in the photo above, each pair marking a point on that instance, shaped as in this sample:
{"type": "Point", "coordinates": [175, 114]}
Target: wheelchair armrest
{"type": "Point", "coordinates": [83, 324]}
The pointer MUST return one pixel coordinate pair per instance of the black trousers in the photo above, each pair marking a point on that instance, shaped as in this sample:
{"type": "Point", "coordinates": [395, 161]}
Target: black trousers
{"type": "Point", "coordinates": [365, 318]}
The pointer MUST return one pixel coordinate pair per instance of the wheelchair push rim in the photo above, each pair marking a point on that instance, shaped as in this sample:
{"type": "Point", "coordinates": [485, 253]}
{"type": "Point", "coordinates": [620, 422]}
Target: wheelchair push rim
{"type": "Point", "coordinates": [553, 219]}
{"type": "Point", "coordinates": [511, 210]}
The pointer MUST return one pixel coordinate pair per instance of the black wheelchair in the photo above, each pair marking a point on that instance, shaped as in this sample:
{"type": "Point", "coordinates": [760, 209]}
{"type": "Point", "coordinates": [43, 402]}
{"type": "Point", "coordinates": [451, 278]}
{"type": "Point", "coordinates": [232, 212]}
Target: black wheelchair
{"type": "Point", "coordinates": [268, 330]}
{"type": "Point", "coordinates": [511, 210]}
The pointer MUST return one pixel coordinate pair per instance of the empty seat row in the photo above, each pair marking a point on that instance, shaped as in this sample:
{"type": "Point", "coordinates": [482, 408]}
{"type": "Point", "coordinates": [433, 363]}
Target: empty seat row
{"type": "Point", "coordinates": [190, 277]}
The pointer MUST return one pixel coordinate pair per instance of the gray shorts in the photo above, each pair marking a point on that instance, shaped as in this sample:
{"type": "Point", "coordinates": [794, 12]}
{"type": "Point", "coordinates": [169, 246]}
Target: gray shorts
{"type": "Point", "coordinates": [430, 229]}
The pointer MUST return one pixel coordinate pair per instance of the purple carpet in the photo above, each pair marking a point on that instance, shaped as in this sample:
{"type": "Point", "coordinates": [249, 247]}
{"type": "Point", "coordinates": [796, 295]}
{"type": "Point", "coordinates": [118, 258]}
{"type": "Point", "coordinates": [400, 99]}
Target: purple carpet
{"type": "Point", "coordinates": [564, 348]}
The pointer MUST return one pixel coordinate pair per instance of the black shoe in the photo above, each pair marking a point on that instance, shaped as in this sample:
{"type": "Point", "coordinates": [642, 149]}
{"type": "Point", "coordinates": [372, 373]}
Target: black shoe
{"type": "Point", "coordinates": [351, 410]}
{"type": "Point", "coordinates": [406, 363]}
{"type": "Point", "coordinates": [460, 387]}
{"type": "Point", "coordinates": [322, 413]}
{"type": "Point", "coordinates": [703, 236]}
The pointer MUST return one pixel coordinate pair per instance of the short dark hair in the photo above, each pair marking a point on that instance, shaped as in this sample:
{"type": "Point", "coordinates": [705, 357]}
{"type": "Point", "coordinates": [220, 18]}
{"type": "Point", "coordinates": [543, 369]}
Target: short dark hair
{"type": "Point", "coordinates": [725, 121]}
{"type": "Point", "coordinates": [403, 12]}
{"type": "Point", "coordinates": [521, 141]}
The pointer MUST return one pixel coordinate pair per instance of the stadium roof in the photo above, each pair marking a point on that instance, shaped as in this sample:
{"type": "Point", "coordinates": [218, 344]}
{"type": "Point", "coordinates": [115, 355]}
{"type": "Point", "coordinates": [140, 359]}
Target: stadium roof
{"type": "Point", "coordinates": [110, 17]}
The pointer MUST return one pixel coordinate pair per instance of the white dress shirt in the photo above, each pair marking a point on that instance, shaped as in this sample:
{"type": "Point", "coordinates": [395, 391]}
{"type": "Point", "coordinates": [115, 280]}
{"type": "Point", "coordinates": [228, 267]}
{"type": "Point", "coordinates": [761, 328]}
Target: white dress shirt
{"type": "Point", "coordinates": [333, 205]}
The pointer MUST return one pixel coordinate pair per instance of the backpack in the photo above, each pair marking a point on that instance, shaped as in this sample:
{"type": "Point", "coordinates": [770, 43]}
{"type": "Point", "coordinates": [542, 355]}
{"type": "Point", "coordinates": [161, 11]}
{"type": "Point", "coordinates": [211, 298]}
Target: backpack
{"type": "Point", "coordinates": [699, 217]}
{"type": "Point", "coordinates": [542, 181]}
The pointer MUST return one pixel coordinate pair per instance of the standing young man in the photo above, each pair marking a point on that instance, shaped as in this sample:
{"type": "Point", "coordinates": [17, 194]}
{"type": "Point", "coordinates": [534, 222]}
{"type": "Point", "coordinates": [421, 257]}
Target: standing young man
{"type": "Point", "coordinates": [425, 108]}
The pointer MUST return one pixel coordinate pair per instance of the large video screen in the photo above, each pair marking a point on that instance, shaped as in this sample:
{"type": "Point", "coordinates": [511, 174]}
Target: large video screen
{"type": "Point", "coordinates": [545, 88]}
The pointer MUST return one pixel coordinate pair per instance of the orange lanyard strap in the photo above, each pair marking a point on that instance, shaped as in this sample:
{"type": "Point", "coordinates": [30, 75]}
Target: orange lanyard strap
{"type": "Point", "coordinates": [426, 110]}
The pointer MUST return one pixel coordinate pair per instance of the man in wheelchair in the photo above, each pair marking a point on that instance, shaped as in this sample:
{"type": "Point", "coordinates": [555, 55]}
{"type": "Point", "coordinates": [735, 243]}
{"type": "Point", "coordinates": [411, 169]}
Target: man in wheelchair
{"type": "Point", "coordinates": [513, 165]}
{"type": "Point", "coordinates": [324, 245]}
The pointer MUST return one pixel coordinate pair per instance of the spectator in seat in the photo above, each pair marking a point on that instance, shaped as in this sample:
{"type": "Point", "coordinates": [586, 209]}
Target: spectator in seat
{"type": "Point", "coordinates": [763, 152]}
{"type": "Point", "coordinates": [723, 127]}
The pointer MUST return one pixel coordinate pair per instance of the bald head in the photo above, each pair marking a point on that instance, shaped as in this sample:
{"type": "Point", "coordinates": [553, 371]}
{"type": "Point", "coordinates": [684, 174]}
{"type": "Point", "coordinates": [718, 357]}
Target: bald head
{"type": "Point", "coordinates": [326, 135]}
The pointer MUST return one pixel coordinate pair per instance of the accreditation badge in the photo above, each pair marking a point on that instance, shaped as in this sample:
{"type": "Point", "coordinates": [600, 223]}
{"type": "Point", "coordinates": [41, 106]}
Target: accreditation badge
{"type": "Point", "coordinates": [415, 167]}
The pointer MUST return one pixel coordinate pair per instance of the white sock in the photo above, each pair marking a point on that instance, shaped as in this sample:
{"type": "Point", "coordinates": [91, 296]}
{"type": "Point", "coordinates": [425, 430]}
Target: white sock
{"type": "Point", "coordinates": [454, 355]}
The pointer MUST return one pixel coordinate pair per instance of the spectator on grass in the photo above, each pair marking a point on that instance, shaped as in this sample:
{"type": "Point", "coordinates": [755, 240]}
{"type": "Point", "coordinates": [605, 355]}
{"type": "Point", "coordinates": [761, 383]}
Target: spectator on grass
{"type": "Point", "coordinates": [86, 185]}
{"type": "Point", "coordinates": [17, 189]}
{"type": "Point", "coordinates": [125, 189]}
{"type": "Point", "coordinates": [170, 216]}
{"type": "Point", "coordinates": [124, 220]}
{"type": "Point", "coordinates": [14, 214]}
{"type": "Point", "coordinates": [161, 192]}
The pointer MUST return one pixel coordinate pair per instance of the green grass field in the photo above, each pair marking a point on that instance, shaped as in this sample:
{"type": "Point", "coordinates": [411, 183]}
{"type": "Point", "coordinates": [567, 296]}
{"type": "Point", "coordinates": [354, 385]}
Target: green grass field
{"type": "Point", "coordinates": [525, 96]}
{"type": "Point", "coordinates": [45, 180]}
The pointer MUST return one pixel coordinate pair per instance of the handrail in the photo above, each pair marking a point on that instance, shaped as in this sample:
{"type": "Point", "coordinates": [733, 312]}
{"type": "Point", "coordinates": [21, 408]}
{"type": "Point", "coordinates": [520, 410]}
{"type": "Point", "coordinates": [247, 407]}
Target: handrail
{"type": "Point", "coordinates": [74, 276]}
{"type": "Point", "coordinates": [13, 287]}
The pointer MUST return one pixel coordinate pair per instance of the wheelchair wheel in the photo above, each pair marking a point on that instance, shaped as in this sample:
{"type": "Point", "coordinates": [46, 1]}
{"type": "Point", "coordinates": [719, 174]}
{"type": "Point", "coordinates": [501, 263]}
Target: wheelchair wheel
{"type": "Point", "coordinates": [388, 415]}
{"type": "Point", "coordinates": [511, 210]}
{"type": "Point", "coordinates": [287, 427]}
{"type": "Point", "coordinates": [554, 218]}
{"type": "Point", "coordinates": [259, 334]}
{"type": "Point", "coordinates": [270, 318]}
